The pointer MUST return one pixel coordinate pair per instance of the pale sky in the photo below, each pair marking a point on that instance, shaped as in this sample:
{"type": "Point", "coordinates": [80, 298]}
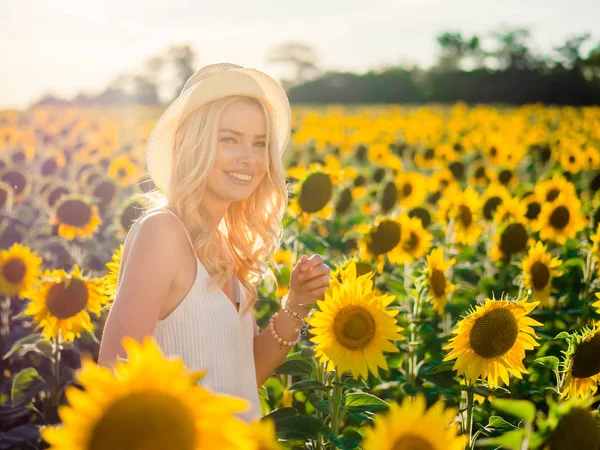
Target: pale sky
{"type": "Point", "coordinates": [67, 46]}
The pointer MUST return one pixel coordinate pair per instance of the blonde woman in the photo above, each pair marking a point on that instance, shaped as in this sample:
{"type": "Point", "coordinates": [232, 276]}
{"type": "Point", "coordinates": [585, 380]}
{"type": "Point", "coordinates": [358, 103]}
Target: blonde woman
{"type": "Point", "coordinates": [191, 263]}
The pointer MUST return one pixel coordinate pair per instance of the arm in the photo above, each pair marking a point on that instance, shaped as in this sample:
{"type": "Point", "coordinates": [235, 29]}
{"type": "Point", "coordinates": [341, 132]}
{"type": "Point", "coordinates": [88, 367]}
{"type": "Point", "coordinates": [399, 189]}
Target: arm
{"type": "Point", "coordinates": [267, 354]}
{"type": "Point", "coordinates": [144, 281]}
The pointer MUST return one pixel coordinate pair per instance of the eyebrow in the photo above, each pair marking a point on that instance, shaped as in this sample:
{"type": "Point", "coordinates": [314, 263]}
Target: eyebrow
{"type": "Point", "coordinates": [240, 134]}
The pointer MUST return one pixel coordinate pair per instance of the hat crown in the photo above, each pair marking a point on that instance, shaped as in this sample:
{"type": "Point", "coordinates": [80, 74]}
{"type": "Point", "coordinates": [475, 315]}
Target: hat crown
{"type": "Point", "coordinates": [206, 72]}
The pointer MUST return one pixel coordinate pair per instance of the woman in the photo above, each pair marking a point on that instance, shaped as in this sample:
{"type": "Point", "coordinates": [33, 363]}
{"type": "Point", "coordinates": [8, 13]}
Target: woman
{"type": "Point", "coordinates": [191, 263]}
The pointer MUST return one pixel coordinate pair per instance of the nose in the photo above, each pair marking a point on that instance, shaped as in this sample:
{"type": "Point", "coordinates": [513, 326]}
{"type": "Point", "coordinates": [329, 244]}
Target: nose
{"type": "Point", "coordinates": [246, 154]}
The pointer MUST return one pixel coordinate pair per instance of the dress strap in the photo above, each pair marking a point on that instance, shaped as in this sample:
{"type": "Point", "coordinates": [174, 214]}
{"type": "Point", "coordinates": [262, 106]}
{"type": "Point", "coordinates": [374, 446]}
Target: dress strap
{"type": "Point", "coordinates": [182, 224]}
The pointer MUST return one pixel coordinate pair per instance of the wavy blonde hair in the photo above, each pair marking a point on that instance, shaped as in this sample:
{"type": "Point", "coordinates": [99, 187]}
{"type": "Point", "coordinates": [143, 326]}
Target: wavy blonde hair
{"type": "Point", "coordinates": [252, 229]}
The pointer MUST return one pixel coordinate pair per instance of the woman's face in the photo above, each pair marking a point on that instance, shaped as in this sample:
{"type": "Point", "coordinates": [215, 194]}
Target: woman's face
{"type": "Point", "coordinates": [242, 156]}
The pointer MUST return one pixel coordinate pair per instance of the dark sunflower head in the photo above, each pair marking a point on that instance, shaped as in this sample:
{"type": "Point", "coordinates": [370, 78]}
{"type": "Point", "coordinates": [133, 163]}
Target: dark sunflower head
{"type": "Point", "coordinates": [389, 197]}
{"type": "Point", "coordinates": [379, 174]}
{"type": "Point", "coordinates": [506, 176]}
{"type": "Point", "coordinates": [131, 212]}
{"type": "Point", "coordinates": [384, 237]}
{"type": "Point", "coordinates": [56, 193]}
{"type": "Point", "coordinates": [49, 167]}
{"type": "Point", "coordinates": [422, 214]}
{"type": "Point", "coordinates": [576, 429]}
{"type": "Point", "coordinates": [105, 190]}
{"type": "Point", "coordinates": [458, 170]}
{"type": "Point", "coordinates": [74, 211]}
{"type": "Point", "coordinates": [494, 333]}
{"type": "Point", "coordinates": [513, 239]}
{"type": "Point", "coordinates": [16, 179]}
{"type": "Point", "coordinates": [490, 206]}
{"type": "Point", "coordinates": [586, 359]}
{"type": "Point", "coordinates": [66, 299]}
{"type": "Point", "coordinates": [559, 217]}
{"type": "Point", "coordinates": [344, 201]}
{"type": "Point", "coordinates": [316, 192]}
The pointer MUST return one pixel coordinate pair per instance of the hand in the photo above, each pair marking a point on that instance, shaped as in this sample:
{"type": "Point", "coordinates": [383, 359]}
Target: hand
{"type": "Point", "coordinates": [308, 282]}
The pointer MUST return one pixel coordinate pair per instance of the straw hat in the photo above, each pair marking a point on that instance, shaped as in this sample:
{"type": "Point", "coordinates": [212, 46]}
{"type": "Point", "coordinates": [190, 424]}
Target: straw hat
{"type": "Point", "coordinates": [207, 84]}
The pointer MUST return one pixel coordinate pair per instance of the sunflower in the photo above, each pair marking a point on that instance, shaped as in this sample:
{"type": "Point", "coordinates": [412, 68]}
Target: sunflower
{"type": "Point", "coordinates": [463, 207]}
{"type": "Point", "coordinates": [549, 190]}
{"type": "Point", "coordinates": [411, 426]}
{"type": "Point", "coordinates": [111, 279]}
{"type": "Point", "coordinates": [411, 189]}
{"type": "Point", "coordinates": [481, 176]}
{"type": "Point", "coordinates": [439, 285]}
{"type": "Point", "coordinates": [507, 177]}
{"type": "Point", "coordinates": [512, 209]}
{"type": "Point", "coordinates": [416, 240]}
{"type": "Point", "coordinates": [262, 433]}
{"type": "Point", "coordinates": [597, 304]}
{"type": "Point", "coordinates": [314, 195]}
{"type": "Point", "coordinates": [494, 196]}
{"type": "Point", "coordinates": [352, 327]}
{"type": "Point", "coordinates": [380, 239]}
{"type": "Point", "coordinates": [149, 401]}
{"type": "Point", "coordinates": [533, 207]}
{"type": "Point", "coordinates": [62, 302]}
{"type": "Point", "coordinates": [389, 195]}
{"type": "Point", "coordinates": [491, 341]}
{"type": "Point", "coordinates": [582, 364]}
{"type": "Point", "coordinates": [423, 214]}
{"type": "Point", "coordinates": [52, 163]}
{"type": "Point", "coordinates": [572, 158]}
{"type": "Point", "coordinates": [105, 191]}
{"type": "Point", "coordinates": [539, 269]}
{"type": "Point", "coordinates": [75, 217]}
{"type": "Point", "coordinates": [426, 158]}
{"type": "Point", "coordinates": [129, 213]}
{"type": "Point", "coordinates": [19, 181]}
{"type": "Point", "coordinates": [344, 201]}
{"type": "Point", "coordinates": [511, 239]}
{"type": "Point", "coordinates": [569, 425]}
{"type": "Point", "coordinates": [123, 170]}
{"type": "Point", "coordinates": [561, 219]}
{"type": "Point", "coordinates": [19, 270]}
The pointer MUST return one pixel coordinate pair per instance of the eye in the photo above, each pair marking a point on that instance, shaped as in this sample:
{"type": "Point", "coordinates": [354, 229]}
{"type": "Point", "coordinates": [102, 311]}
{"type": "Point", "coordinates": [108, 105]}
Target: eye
{"type": "Point", "coordinates": [225, 139]}
{"type": "Point", "coordinates": [263, 143]}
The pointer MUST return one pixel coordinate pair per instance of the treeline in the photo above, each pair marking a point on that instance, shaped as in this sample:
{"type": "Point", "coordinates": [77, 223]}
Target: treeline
{"type": "Point", "coordinates": [499, 67]}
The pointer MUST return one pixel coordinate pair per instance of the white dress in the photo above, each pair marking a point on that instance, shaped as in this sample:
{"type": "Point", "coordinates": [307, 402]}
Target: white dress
{"type": "Point", "coordinates": [208, 333]}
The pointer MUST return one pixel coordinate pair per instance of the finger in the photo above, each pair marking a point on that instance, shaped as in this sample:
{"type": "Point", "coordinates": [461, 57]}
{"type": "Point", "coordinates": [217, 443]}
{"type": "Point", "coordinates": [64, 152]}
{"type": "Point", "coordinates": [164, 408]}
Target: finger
{"type": "Point", "coordinates": [314, 261]}
{"type": "Point", "coordinates": [317, 283]}
{"type": "Point", "coordinates": [322, 269]}
{"type": "Point", "coordinates": [319, 293]}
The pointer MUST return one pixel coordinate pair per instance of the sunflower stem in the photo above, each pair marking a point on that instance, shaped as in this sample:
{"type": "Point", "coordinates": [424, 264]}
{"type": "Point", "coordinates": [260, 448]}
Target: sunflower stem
{"type": "Point", "coordinates": [469, 421]}
{"type": "Point", "coordinates": [56, 370]}
{"type": "Point", "coordinates": [334, 407]}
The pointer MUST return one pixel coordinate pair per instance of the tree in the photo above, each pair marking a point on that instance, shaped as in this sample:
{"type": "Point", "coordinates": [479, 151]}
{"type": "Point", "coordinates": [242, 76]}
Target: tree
{"type": "Point", "coordinates": [569, 54]}
{"type": "Point", "coordinates": [300, 57]}
{"type": "Point", "coordinates": [182, 57]}
{"type": "Point", "coordinates": [513, 52]}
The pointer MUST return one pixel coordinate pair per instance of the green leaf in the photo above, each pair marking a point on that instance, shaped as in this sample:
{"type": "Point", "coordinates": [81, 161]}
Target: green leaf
{"type": "Point", "coordinates": [306, 385]}
{"type": "Point", "coordinates": [522, 409]}
{"type": "Point", "coordinates": [298, 427]}
{"type": "Point", "coordinates": [280, 413]}
{"type": "Point", "coordinates": [318, 403]}
{"type": "Point", "coordinates": [30, 340]}
{"type": "Point", "coordinates": [443, 367]}
{"type": "Point", "coordinates": [499, 422]}
{"type": "Point", "coordinates": [562, 335]}
{"type": "Point", "coordinates": [295, 367]}
{"type": "Point", "coordinates": [510, 439]}
{"type": "Point", "coordinates": [547, 361]}
{"type": "Point", "coordinates": [25, 384]}
{"type": "Point", "coordinates": [351, 439]}
{"type": "Point", "coordinates": [362, 402]}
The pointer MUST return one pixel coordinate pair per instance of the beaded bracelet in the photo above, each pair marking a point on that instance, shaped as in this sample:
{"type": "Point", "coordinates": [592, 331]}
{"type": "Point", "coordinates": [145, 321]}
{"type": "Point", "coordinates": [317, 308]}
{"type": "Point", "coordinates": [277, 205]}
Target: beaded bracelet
{"type": "Point", "coordinates": [294, 314]}
{"type": "Point", "coordinates": [279, 338]}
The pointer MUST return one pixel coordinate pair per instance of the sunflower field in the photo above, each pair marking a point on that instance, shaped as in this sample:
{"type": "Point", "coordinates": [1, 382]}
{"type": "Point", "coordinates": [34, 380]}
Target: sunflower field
{"type": "Point", "coordinates": [463, 310]}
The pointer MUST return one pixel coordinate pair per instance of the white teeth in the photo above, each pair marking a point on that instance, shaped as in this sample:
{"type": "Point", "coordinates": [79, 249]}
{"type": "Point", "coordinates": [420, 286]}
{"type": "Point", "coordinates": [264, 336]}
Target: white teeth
{"type": "Point", "coordinates": [240, 176]}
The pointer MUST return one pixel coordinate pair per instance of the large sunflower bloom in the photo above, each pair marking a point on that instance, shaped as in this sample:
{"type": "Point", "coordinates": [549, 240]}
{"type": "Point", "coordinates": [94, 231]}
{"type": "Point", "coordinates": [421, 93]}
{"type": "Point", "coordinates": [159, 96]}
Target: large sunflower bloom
{"type": "Point", "coordinates": [582, 364]}
{"type": "Point", "coordinates": [463, 207]}
{"type": "Point", "coordinates": [411, 425]}
{"type": "Point", "coordinates": [539, 269]}
{"type": "Point", "coordinates": [491, 341]}
{"type": "Point", "coordinates": [561, 219]}
{"type": "Point", "coordinates": [149, 401]}
{"type": "Point", "coordinates": [352, 327]}
{"type": "Point", "coordinates": [19, 270]}
{"type": "Point", "coordinates": [63, 302]}
{"type": "Point", "coordinates": [439, 285]}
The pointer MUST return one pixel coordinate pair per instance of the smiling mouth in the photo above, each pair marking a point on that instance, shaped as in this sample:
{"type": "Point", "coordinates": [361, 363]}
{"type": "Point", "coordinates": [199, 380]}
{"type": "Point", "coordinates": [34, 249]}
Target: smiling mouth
{"type": "Point", "coordinates": [240, 177]}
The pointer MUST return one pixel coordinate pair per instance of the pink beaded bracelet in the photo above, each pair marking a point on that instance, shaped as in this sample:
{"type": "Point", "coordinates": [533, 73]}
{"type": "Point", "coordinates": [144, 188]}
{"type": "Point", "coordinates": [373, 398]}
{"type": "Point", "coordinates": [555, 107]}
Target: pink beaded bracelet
{"type": "Point", "coordinates": [279, 338]}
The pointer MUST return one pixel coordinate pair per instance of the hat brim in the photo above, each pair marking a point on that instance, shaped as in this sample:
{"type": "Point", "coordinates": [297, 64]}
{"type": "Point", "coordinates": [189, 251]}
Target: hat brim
{"type": "Point", "coordinates": [242, 81]}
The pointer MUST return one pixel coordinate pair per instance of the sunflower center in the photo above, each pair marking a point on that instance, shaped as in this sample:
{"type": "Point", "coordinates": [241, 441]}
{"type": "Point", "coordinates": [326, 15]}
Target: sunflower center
{"type": "Point", "coordinates": [513, 239]}
{"type": "Point", "coordinates": [577, 429]}
{"type": "Point", "coordinates": [540, 275]}
{"type": "Point", "coordinates": [490, 207]}
{"type": "Point", "coordinates": [344, 201]}
{"type": "Point", "coordinates": [14, 270]}
{"type": "Point", "coordinates": [144, 421]}
{"type": "Point", "coordinates": [56, 194]}
{"type": "Point", "coordinates": [422, 214]}
{"type": "Point", "coordinates": [412, 442]}
{"type": "Point", "coordinates": [384, 238]}
{"type": "Point", "coordinates": [354, 327]}
{"type": "Point", "coordinates": [122, 173]}
{"type": "Point", "coordinates": [560, 217]}
{"type": "Point", "coordinates": [316, 192]}
{"type": "Point", "coordinates": [586, 360]}
{"type": "Point", "coordinates": [533, 210]}
{"type": "Point", "coordinates": [552, 194]}
{"type": "Point", "coordinates": [407, 189]}
{"type": "Point", "coordinates": [67, 298]}
{"type": "Point", "coordinates": [411, 243]}
{"type": "Point", "coordinates": [74, 212]}
{"type": "Point", "coordinates": [505, 176]}
{"type": "Point", "coordinates": [49, 167]}
{"type": "Point", "coordinates": [16, 180]}
{"type": "Point", "coordinates": [494, 333]}
{"type": "Point", "coordinates": [390, 195]}
{"type": "Point", "coordinates": [437, 279]}
{"type": "Point", "coordinates": [465, 216]}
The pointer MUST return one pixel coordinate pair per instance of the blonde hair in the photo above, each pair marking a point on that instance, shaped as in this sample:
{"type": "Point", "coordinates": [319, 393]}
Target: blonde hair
{"type": "Point", "coordinates": [252, 228]}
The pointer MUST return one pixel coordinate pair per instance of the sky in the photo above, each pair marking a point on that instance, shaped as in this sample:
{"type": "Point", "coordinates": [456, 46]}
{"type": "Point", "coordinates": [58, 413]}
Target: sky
{"type": "Point", "coordinates": [68, 46]}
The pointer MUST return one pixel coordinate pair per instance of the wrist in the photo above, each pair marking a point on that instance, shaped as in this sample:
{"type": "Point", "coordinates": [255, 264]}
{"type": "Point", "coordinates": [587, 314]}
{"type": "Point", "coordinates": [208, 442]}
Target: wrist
{"type": "Point", "coordinates": [289, 300]}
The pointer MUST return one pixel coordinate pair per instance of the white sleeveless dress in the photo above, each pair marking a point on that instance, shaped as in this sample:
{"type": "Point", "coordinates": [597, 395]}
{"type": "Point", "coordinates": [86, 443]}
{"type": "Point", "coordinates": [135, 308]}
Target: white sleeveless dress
{"type": "Point", "coordinates": [207, 332]}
